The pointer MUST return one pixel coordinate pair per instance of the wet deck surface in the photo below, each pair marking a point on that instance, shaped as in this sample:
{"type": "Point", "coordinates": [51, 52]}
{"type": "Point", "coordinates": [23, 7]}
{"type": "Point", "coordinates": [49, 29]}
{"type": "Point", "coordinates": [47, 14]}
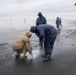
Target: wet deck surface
{"type": "Point", "coordinates": [64, 54]}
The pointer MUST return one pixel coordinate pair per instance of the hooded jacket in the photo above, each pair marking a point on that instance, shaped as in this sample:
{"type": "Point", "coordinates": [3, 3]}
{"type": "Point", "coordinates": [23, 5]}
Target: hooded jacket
{"type": "Point", "coordinates": [22, 41]}
{"type": "Point", "coordinates": [41, 19]}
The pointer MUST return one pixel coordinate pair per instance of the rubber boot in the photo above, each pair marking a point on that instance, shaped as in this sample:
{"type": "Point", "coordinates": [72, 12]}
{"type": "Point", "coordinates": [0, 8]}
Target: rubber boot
{"type": "Point", "coordinates": [47, 58]}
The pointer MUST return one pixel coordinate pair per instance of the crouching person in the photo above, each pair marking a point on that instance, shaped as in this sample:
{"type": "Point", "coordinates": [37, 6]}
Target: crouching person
{"type": "Point", "coordinates": [22, 45]}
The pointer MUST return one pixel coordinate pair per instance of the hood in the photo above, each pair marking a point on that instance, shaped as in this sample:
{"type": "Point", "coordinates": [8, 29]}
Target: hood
{"type": "Point", "coordinates": [28, 34]}
{"type": "Point", "coordinates": [33, 29]}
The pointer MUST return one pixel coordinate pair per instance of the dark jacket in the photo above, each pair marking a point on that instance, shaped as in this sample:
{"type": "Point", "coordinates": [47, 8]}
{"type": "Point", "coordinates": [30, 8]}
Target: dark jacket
{"type": "Point", "coordinates": [41, 20]}
{"type": "Point", "coordinates": [44, 32]}
{"type": "Point", "coordinates": [57, 21]}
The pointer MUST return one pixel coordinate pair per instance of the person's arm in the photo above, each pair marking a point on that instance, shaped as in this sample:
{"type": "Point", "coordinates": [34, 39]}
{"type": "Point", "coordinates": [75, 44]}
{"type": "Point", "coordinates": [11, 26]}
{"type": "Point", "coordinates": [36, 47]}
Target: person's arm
{"type": "Point", "coordinates": [41, 36]}
{"type": "Point", "coordinates": [28, 47]}
{"type": "Point", "coordinates": [45, 21]}
{"type": "Point", "coordinates": [37, 22]}
{"type": "Point", "coordinates": [41, 41]}
{"type": "Point", "coordinates": [27, 43]}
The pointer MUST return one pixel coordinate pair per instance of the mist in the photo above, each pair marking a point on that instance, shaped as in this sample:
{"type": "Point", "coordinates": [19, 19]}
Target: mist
{"type": "Point", "coordinates": [21, 14]}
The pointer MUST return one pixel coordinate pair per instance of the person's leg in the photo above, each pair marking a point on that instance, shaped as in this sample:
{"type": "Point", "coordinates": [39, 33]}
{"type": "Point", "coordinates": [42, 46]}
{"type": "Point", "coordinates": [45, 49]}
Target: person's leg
{"type": "Point", "coordinates": [23, 53]}
{"type": "Point", "coordinates": [17, 51]}
{"type": "Point", "coordinates": [49, 46]}
{"type": "Point", "coordinates": [17, 55]}
{"type": "Point", "coordinates": [45, 47]}
{"type": "Point", "coordinates": [58, 30]}
{"type": "Point", "coordinates": [48, 49]}
{"type": "Point", "coordinates": [57, 26]}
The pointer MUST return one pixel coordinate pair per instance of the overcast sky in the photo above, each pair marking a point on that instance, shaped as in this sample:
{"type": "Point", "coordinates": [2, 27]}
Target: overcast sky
{"type": "Point", "coordinates": [30, 8]}
{"type": "Point", "coordinates": [24, 7]}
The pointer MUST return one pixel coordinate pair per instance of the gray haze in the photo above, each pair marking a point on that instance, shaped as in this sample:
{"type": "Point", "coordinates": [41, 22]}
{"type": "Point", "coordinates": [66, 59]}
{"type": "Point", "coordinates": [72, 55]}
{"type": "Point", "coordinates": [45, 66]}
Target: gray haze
{"type": "Point", "coordinates": [23, 13]}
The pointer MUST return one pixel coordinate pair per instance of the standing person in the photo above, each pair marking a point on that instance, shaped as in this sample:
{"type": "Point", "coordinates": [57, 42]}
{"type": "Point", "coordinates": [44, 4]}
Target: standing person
{"type": "Point", "coordinates": [47, 35]}
{"type": "Point", "coordinates": [57, 23]}
{"type": "Point", "coordinates": [41, 19]}
{"type": "Point", "coordinates": [61, 22]}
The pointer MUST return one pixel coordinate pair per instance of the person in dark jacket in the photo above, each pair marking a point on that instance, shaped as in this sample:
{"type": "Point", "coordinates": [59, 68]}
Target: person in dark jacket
{"type": "Point", "coordinates": [41, 19]}
{"type": "Point", "coordinates": [57, 23]}
{"type": "Point", "coordinates": [47, 34]}
{"type": "Point", "coordinates": [61, 22]}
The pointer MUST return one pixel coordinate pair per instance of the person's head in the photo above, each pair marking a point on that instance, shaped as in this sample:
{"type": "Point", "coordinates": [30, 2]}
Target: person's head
{"type": "Point", "coordinates": [75, 4]}
{"type": "Point", "coordinates": [57, 17]}
{"type": "Point", "coordinates": [28, 34]}
{"type": "Point", "coordinates": [40, 14]}
{"type": "Point", "coordinates": [33, 29]}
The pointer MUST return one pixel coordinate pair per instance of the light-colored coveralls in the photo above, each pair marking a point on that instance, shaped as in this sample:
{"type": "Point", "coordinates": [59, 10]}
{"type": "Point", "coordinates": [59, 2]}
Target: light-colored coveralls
{"type": "Point", "coordinates": [22, 45]}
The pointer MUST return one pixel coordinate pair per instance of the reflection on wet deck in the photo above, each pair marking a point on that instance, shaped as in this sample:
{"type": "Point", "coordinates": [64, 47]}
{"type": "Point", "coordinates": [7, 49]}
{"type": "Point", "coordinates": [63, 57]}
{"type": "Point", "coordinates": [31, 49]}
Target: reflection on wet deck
{"type": "Point", "coordinates": [36, 53]}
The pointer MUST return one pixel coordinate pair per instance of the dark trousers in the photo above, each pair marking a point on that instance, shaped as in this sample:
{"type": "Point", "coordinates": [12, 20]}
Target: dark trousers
{"type": "Point", "coordinates": [57, 26]}
{"type": "Point", "coordinates": [49, 43]}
